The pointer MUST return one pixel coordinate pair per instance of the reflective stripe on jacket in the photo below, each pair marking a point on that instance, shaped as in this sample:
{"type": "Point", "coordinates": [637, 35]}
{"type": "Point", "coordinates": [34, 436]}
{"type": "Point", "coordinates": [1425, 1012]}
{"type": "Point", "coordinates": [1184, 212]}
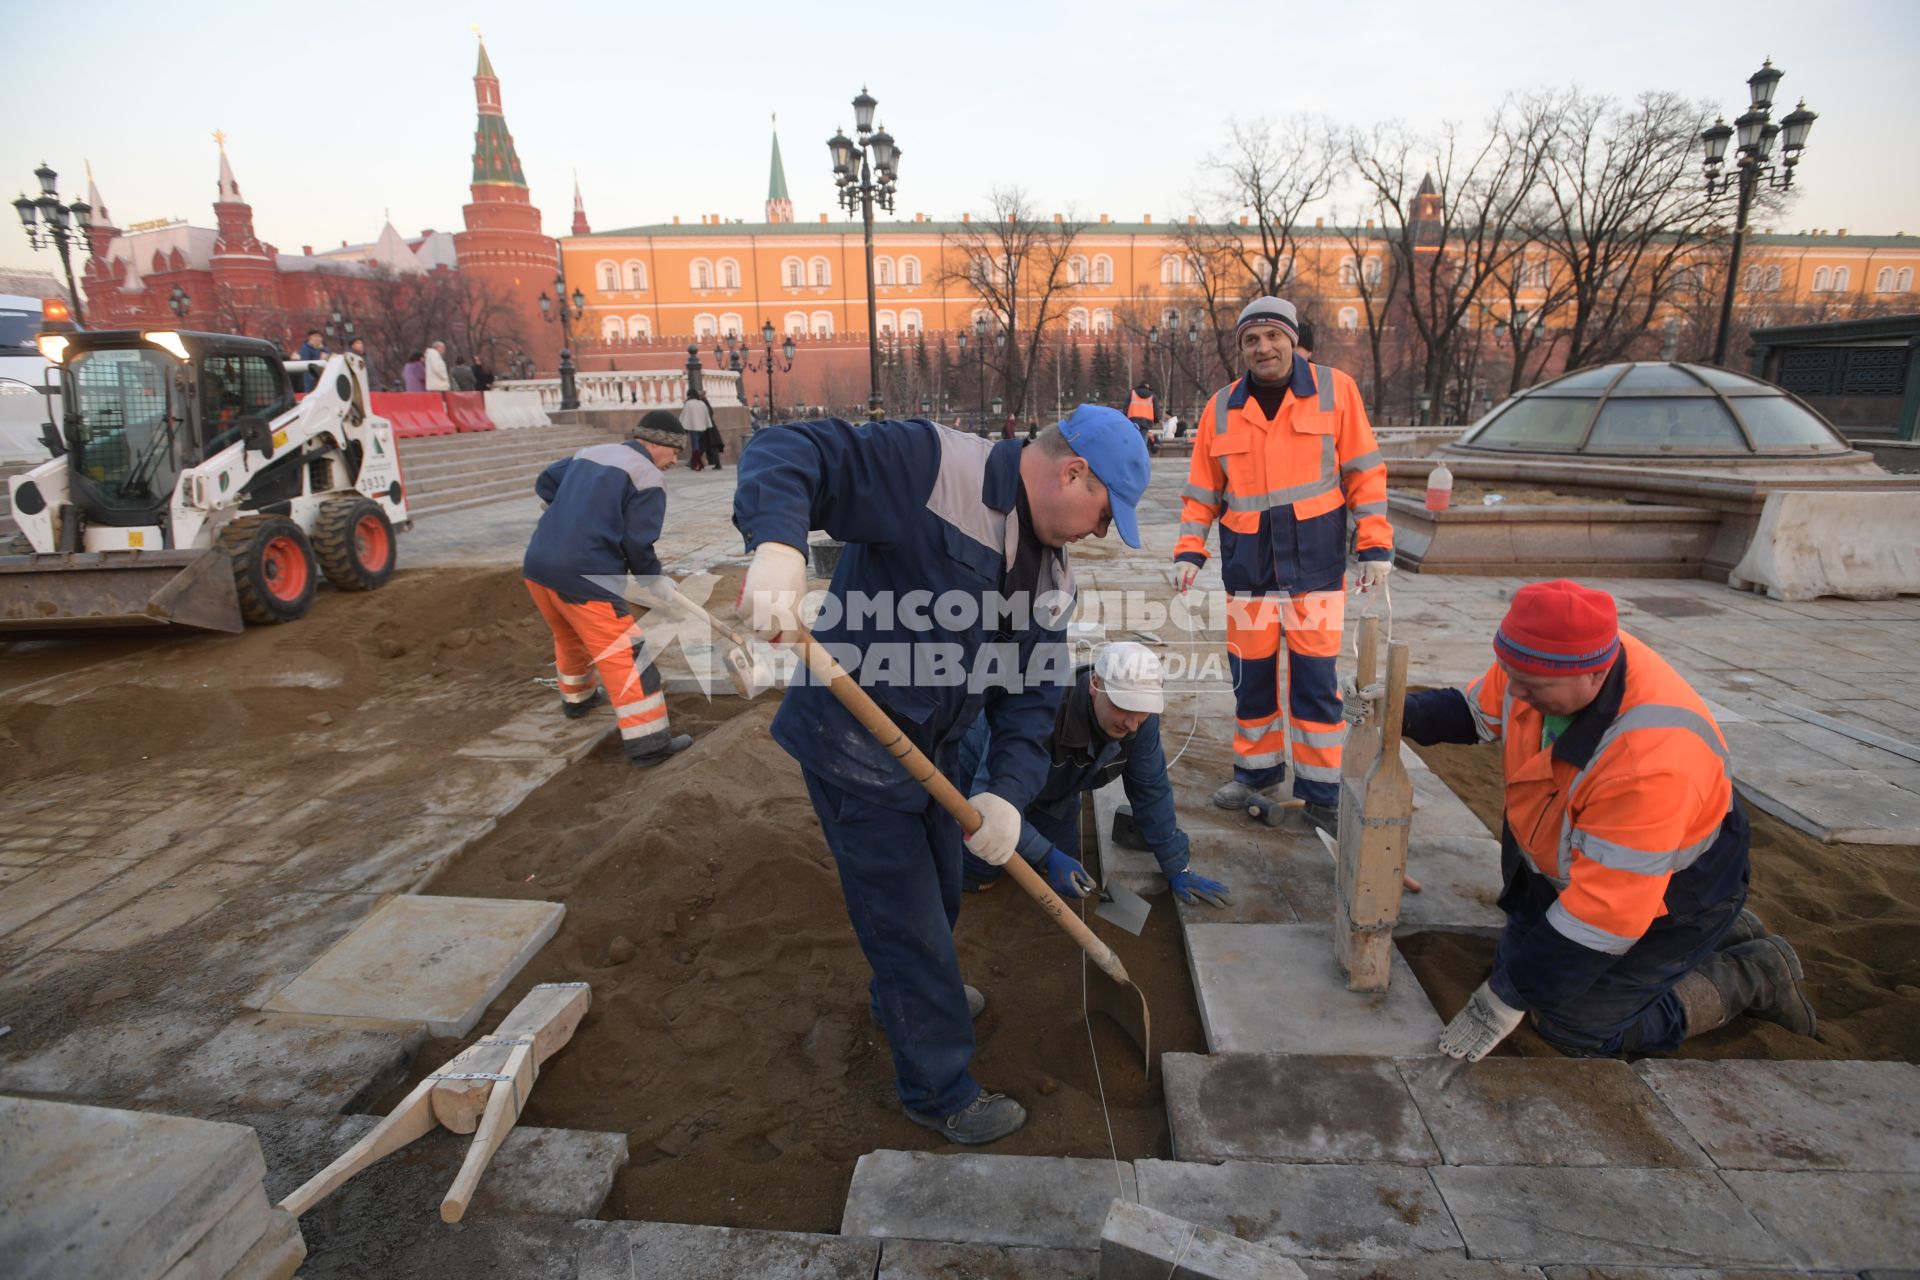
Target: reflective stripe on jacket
{"type": "Point", "coordinates": [1277, 488]}
{"type": "Point", "coordinates": [1140, 408]}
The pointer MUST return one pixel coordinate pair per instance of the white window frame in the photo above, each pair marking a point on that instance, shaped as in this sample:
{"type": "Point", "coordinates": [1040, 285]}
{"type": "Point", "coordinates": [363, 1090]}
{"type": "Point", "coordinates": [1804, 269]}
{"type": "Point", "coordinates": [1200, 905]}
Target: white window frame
{"type": "Point", "coordinates": [795, 323]}
{"type": "Point", "coordinates": [607, 272]}
{"type": "Point", "coordinates": [820, 272]}
{"type": "Point", "coordinates": [1349, 321]}
{"type": "Point", "coordinates": [639, 327]}
{"type": "Point", "coordinates": [634, 272]}
{"type": "Point", "coordinates": [912, 321]}
{"type": "Point", "coordinates": [909, 272]}
{"type": "Point", "coordinates": [793, 273]}
{"type": "Point", "coordinates": [732, 324]}
{"type": "Point", "coordinates": [706, 326]}
{"type": "Point", "coordinates": [613, 329]}
{"type": "Point", "coordinates": [1103, 320]}
{"type": "Point", "coordinates": [821, 323]}
{"type": "Point", "coordinates": [883, 271]}
{"type": "Point", "coordinates": [1102, 268]}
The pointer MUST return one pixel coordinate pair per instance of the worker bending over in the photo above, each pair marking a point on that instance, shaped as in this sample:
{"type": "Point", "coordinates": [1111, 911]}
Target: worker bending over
{"type": "Point", "coordinates": [1623, 844]}
{"type": "Point", "coordinates": [1281, 456]}
{"type": "Point", "coordinates": [605, 506]}
{"type": "Point", "coordinates": [1107, 727]}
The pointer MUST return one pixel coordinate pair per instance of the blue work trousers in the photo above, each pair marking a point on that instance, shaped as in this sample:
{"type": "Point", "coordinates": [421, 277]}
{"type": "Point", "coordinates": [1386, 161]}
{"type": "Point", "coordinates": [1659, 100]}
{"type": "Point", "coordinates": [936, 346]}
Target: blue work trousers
{"type": "Point", "coordinates": [900, 874]}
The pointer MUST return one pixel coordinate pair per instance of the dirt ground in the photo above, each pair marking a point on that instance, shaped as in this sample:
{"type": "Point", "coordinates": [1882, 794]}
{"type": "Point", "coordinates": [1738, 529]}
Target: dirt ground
{"type": "Point", "coordinates": [1850, 911]}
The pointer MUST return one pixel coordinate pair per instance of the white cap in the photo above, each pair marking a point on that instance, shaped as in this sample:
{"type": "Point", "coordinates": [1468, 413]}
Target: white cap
{"type": "Point", "coordinates": [1130, 674]}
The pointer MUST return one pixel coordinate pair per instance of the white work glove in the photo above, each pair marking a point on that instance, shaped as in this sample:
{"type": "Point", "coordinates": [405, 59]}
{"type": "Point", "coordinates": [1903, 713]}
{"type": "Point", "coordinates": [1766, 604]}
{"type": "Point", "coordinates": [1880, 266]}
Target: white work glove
{"type": "Point", "coordinates": [1373, 573]}
{"type": "Point", "coordinates": [1184, 572]}
{"type": "Point", "coordinates": [770, 596]}
{"type": "Point", "coordinates": [999, 829]}
{"type": "Point", "coordinates": [1484, 1023]}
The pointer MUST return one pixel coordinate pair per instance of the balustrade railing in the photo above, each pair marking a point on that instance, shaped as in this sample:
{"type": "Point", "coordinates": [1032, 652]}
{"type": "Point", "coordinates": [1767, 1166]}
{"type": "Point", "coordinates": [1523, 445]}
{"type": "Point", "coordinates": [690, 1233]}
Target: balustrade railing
{"type": "Point", "coordinates": [635, 388]}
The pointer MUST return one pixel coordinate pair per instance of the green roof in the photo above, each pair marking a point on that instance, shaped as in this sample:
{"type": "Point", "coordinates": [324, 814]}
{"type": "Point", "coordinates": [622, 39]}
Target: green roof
{"type": "Point", "coordinates": [486, 63]}
{"type": "Point", "coordinates": [777, 176]}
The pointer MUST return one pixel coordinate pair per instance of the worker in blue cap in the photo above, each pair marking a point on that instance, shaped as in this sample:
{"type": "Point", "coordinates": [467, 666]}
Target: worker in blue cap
{"type": "Point", "coordinates": [952, 597]}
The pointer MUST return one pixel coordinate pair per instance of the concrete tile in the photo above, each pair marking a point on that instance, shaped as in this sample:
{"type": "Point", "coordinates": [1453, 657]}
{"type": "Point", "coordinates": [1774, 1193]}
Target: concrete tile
{"type": "Point", "coordinates": [89, 1191]}
{"type": "Point", "coordinates": [1837, 806]}
{"type": "Point", "coordinates": [107, 1060]}
{"type": "Point", "coordinates": [170, 905]}
{"type": "Point", "coordinates": [1547, 1111]}
{"type": "Point", "coordinates": [49, 887]}
{"type": "Point", "coordinates": [1796, 1115]}
{"type": "Point", "coordinates": [1329, 1211]}
{"type": "Point", "coordinates": [1049, 1202]}
{"type": "Point", "coordinates": [1139, 1243]}
{"type": "Point", "coordinates": [1836, 1221]}
{"type": "Point", "coordinates": [1459, 881]}
{"type": "Point", "coordinates": [933, 1260]}
{"type": "Point", "coordinates": [673, 1251]}
{"type": "Point", "coordinates": [1637, 1216]}
{"type": "Point", "coordinates": [1429, 1268]}
{"type": "Point", "coordinates": [506, 1249]}
{"type": "Point", "coordinates": [1277, 1107]}
{"type": "Point", "coordinates": [220, 1250]}
{"type": "Point", "coordinates": [1669, 1273]}
{"type": "Point", "coordinates": [276, 1255]}
{"type": "Point", "coordinates": [267, 1061]}
{"type": "Point", "coordinates": [1275, 988]}
{"type": "Point", "coordinates": [440, 961]}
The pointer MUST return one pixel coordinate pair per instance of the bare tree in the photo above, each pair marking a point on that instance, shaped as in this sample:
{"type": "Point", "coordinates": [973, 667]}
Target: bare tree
{"type": "Point", "coordinates": [1455, 226]}
{"type": "Point", "coordinates": [1020, 268]}
{"type": "Point", "coordinates": [1378, 285]}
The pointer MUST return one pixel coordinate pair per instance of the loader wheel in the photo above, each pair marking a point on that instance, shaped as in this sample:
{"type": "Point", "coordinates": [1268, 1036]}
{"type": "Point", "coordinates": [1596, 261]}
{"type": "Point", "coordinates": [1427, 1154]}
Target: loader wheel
{"type": "Point", "coordinates": [353, 540]}
{"type": "Point", "coordinates": [273, 569]}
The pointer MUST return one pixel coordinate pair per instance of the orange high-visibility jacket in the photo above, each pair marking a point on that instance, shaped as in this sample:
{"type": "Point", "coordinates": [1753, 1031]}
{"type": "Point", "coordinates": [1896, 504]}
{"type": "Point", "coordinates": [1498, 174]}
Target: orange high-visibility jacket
{"type": "Point", "coordinates": [1140, 408]}
{"type": "Point", "coordinates": [1278, 489]}
{"type": "Point", "coordinates": [1636, 793]}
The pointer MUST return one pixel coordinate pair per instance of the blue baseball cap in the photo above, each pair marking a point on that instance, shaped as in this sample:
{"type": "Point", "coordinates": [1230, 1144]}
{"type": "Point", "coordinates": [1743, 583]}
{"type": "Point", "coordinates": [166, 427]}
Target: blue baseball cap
{"type": "Point", "coordinates": [1114, 450]}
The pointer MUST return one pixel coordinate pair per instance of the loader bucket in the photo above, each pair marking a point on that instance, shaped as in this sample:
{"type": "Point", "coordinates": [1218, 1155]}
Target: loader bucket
{"type": "Point", "coordinates": [94, 590]}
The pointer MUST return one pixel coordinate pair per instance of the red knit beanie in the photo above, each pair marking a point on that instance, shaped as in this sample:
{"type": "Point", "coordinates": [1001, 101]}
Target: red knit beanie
{"type": "Point", "coordinates": [1559, 628]}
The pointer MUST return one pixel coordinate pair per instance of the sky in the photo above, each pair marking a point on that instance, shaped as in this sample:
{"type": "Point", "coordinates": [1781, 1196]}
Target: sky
{"type": "Point", "coordinates": [338, 113]}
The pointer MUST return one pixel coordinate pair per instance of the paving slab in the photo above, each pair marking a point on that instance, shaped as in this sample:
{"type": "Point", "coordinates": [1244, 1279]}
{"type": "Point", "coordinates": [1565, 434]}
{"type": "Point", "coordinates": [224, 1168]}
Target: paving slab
{"type": "Point", "coordinates": [1437, 811]}
{"type": "Point", "coordinates": [1836, 1221]}
{"type": "Point", "coordinates": [1275, 988]}
{"type": "Point", "coordinates": [1838, 806]}
{"type": "Point", "coordinates": [674, 1251]}
{"type": "Point", "coordinates": [1547, 1111]}
{"type": "Point", "coordinates": [1050, 1202]}
{"type": "Point", "coordinates": [1796, 1115]}
{"type": "Point", "coordinates": [1294, 1108]}
{"type": "Point", "coordinates": [87, 1192]}
{"type": "Point", "coordinates": [1376, 1211]}
{"type": "Point", "coordinates": [1459, 884]}
{"type": "Point", "coordinates": [219, 1251]}
{"type": "Point", "coordinates": [1672, 1273]}
{"type": "Point", "coordinates": [934, 1260]}
{"type": "Point", "coordinates": [1634, 1216]}
{"type": "Point", "coordinates": [440, 961]}
{"type": "Point", "coordinates": [509, 1249]}
{"type": "Point", "coordinates": [1429, 1268]}
{"type": "Point", "coordinates": [266, 1061]}
{"type": "Point", "coordinates": [1139, 1243]}
{"type": "Point", "coordinates": [276, 1255]}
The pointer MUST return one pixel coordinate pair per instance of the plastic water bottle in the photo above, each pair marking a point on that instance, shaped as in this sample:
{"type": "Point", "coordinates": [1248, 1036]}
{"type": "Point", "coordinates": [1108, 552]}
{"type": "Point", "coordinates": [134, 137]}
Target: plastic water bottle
{"type": "Point", "coordinates": [1439, 488]}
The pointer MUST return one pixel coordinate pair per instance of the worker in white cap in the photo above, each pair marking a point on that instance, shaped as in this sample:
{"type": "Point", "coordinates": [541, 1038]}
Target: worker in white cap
{"type": "Point", "coordinates": [1107, 727]}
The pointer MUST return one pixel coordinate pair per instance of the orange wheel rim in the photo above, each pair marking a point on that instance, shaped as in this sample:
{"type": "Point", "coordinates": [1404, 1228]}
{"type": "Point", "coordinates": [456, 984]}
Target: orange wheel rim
{"type": "Point", "coordinates": [284, 567]}
{"type": "Point", "coordinates": [372, 544]}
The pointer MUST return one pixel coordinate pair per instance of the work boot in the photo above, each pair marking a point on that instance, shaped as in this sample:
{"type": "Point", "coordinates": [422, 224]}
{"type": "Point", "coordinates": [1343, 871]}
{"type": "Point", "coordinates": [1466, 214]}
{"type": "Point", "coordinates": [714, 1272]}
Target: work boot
{"type": "Point", "coordinates": [1233, 795]}
{"type": "Point", "coordinates": [574, 710]}
{"type": "Point", "coordinates": [976, 1005]}
{"type": "Point", "coordinates": [988, 1118]}
{"type": "Point", "coordinates": [1324, 816]}
{"type": "Point", "coordinates": [1761, 979]}
{"type": "Point", "coordinates": [658, 748]}
{"type": "Point", "coordinates": [1746, 928]}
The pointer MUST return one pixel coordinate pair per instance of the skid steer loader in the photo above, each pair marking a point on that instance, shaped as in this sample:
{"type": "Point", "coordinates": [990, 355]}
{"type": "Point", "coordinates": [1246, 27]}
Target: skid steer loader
{"type": "Point", "coordinates": [188, 487]}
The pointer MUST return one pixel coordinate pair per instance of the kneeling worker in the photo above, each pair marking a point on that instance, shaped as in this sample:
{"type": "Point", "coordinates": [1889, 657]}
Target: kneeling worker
{"type": "Point", "coordinates": [1624, 846]}
{"type": "Point", "coordinates": [1107, 727]}
{"type": "Point", "coordinates": [605, 506]}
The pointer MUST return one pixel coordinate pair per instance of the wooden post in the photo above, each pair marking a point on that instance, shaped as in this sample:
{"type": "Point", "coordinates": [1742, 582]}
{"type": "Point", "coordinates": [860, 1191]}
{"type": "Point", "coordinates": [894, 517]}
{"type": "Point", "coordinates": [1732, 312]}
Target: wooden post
{"type": "Point", "coordinates": [1376, 808]}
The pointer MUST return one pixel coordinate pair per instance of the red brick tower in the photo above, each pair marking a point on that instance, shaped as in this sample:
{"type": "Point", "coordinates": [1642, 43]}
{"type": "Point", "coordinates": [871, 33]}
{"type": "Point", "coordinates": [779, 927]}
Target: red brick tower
{"type": "Point", "coordinates": [246, 284]}
{"type": "Point", "coordinates": [503, 244]}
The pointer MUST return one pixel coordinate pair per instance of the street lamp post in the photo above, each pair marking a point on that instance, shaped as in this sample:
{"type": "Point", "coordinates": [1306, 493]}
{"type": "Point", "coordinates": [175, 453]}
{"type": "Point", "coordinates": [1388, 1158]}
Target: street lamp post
{"type": "Point", "coordinates": [766, 361]}
{"type": "Point", "coordinates": [1756, 134]}
{"type": "Point", "coordinates": [570, 309]}
{"type": "Point", "coordinates": [341, 326]}
{"type": "Point", "coordinates": [863, 185]}
{"type": "Point", "coordinates": [179, 303]}
{"type": "Point", "coordinates": [48, 221]}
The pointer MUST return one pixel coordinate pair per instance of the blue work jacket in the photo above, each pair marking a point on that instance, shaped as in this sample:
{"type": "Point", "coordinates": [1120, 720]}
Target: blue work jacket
{"type": "Point", "coordinates": [605, 506]}
{"type": "Point", "coordinates": [929, 516]}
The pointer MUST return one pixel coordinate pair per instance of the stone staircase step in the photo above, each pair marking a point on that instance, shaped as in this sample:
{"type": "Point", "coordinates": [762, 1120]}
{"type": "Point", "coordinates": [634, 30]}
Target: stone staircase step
{"type": "Point", "coordinates": [1862, 1116]}
{"type": "Point", "coordinates": [1292, 1108]}
{"type": "Point", "coordinates": [1361, 1211]}
{"type": "Point", "coordinates": [675, 1251]}
{"type": "Point", "coordinates": [1049, 1202]}
{"type": "Point", "coordinates": [1274, 988]}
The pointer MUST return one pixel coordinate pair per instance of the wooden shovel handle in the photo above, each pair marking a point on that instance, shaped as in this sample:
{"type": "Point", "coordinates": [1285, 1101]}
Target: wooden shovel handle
{"type": "Point", "coordinates": [921, 770]}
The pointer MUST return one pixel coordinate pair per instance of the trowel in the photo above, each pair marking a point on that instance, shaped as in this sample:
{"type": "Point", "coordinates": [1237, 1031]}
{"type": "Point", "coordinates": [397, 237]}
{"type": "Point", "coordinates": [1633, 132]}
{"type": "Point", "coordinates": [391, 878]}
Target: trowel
{"type": "Point", "coordinates": [1122, 906]}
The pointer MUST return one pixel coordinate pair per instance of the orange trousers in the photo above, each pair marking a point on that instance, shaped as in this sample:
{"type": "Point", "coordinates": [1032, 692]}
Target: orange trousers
{"type": "Point", "coordinates": [1308, 725]}
{"type": "Point", "coordinates": [592, 637]}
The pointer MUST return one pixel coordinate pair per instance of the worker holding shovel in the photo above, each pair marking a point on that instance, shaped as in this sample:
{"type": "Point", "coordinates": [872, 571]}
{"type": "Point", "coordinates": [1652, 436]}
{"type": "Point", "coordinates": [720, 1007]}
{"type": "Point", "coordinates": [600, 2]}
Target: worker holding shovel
{"type": "Point", "coordinates": [1107, 727]}
{"type": "Point", "coordinates": [952, 596]}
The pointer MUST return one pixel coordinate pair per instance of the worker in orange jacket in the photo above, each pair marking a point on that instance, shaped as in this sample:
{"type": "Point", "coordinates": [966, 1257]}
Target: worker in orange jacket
{"type": "Point", "coordinates": [1624, 846]}
{"type": "Point", "coordinates": [1281, 456]}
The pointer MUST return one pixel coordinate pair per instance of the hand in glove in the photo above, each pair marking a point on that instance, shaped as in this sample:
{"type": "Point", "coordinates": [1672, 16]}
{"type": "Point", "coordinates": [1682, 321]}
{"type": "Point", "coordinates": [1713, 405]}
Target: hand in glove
{"type": "Point", "coordinates": [1189, 887]}
{"type": "Point", "coordinates": [1066, 876]}
{"type": "Point", "coordinates": [999, 829]}
{"type": "Point", "coordinates": [1373, 573]}
{"type": "Point", "coordinates": [771, 593]}
{"type": "Point", "coordinates": [1484, 1023]}
{"type": "Point", "coordinates": [1184, 572]}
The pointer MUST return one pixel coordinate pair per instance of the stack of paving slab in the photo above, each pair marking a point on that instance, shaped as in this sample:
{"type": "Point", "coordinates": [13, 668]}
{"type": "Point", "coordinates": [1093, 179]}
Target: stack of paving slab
{"type": "Point", "coordinates": [90, 1192]}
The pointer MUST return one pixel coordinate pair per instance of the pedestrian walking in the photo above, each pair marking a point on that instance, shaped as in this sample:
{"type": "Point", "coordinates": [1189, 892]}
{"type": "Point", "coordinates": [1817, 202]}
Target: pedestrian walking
{"type": "Point", "coordinates": [435, 357]}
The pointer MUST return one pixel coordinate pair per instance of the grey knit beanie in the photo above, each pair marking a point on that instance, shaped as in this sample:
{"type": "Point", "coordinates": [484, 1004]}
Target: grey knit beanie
{"type": "Point", "coordinates": [1274, 311]}
{"type": "Point", "coordinates": [662, 428]}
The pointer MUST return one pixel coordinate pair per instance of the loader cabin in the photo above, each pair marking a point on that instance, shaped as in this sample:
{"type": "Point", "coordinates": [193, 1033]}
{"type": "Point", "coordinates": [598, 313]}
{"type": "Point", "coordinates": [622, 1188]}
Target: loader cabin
{"type": "Point", "coordinates": [142, 406]}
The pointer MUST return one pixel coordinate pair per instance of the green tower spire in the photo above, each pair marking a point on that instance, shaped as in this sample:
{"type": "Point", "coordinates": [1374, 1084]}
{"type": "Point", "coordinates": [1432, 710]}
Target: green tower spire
{"type": "Point", "coordinates": [779, 206]}
{"type": "Point", "coordinates": [494, 160]}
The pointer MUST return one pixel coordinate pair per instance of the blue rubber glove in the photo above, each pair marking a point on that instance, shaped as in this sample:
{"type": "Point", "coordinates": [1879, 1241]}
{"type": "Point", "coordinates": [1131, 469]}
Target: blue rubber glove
{"type": "Point", "coordinates": [1066, 877]}
{"type": "Point", "coordinates": [1189, 887]}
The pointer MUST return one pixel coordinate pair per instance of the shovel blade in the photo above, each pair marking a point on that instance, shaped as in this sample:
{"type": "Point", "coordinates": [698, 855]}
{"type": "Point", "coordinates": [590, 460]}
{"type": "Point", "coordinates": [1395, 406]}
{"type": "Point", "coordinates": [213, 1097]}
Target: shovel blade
{"type": "Point", "coordinates": [1126, 1004]}
{"type": "Point", "coordinates": [1122, 906]}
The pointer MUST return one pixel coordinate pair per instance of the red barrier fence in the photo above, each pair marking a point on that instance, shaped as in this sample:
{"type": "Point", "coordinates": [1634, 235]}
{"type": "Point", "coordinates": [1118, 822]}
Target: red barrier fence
{"type": "Point", "coordinates": [468, 409]}
{"type": "Point", "coordinates": [414, 413]}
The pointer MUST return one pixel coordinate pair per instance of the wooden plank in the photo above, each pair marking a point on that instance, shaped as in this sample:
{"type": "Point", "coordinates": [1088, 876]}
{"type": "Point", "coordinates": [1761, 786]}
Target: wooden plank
{"type": "Point", "coordinates": [1376, 810]}
{"type": "Point", "coordinates": [548, 1015]}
